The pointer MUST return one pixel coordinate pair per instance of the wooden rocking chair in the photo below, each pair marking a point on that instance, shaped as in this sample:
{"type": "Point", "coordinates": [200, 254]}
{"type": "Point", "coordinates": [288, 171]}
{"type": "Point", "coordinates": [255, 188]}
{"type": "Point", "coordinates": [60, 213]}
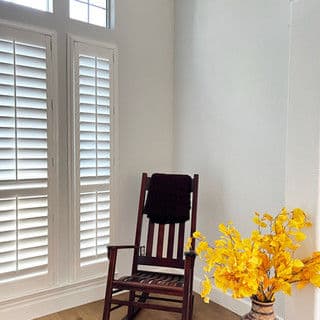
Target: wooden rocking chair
{"type": "Point", "coordinates": [142, 284]}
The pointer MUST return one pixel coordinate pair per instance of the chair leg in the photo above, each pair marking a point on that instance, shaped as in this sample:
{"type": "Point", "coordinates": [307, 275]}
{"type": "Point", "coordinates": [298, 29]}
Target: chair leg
{"type": "Point", "coordinates": [187, 306]}
{"type": "Point", "coordinates": [107, 304]}
{"type": "Point", "coordinates": [135, 310]}
{"type": "Point", "coordinates": [131, 313]}
{"type": "Point", "coordinates": [187, 297]}
{"type": "Point", "coordinates": [191, 307]}
{"type": "Point", "coordinates": [112, 255]}
{"type": "Point", "coordinates": [187, 312]}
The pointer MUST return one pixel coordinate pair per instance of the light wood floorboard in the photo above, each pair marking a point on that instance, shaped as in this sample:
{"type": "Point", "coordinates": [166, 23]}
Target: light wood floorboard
{"type": "Point", "coordinates": [93, 311]}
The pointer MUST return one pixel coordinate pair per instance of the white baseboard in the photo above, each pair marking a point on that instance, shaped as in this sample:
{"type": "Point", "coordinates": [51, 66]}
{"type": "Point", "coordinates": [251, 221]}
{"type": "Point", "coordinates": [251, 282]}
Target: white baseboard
{"type": "Point", "coordinates": [53, 300]}
{"type": "Point", "coordinates": [237, 306]}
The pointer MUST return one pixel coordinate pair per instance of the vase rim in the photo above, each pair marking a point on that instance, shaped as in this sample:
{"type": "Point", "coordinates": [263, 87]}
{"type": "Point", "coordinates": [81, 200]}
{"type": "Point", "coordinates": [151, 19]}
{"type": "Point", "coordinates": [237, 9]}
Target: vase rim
{"type": "Point", "coordinates": [264, 303]}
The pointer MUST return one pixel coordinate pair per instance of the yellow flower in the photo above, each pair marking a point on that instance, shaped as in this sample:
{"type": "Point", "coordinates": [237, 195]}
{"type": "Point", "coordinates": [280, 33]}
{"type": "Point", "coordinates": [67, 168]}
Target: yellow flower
{"type": "Point", "coordinates": [188, 244]}
{"type": "Point", "coordinates": [267, 216]}
{"type": "Point", "coordinates": [262, 264]}
{"type": "Point", "coordinates": [259, 222]}
{"type": "Point", "coordinates": [206, 289]}
{"type": "Point", "coordinates": [300, 236]}
{"type": "Point", "coordinates": [297, 263]}
{"type": "Point", "coordinates": [202, 246]}
{"type": "Point", "coordinates": [223, 229]}
{"type": "Point", "coordinates": [197, 235]}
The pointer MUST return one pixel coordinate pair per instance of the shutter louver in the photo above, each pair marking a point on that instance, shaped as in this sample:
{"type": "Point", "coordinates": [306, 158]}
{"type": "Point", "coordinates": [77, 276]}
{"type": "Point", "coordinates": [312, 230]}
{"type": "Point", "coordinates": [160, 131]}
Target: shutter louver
{"type": "Point", "coordinates": [23, 159]}
{"type": "Point", "coordinates": [94, 157]}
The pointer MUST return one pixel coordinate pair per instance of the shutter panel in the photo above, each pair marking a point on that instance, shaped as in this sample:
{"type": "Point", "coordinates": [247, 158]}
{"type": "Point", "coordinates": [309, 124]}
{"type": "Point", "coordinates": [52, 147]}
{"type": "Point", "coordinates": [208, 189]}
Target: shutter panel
{"type": "Point", "coordinates": [23, 159]}
{"type": "Point", "coordinates": [7, 112]}
{"type": "Point", "coordinates": [94, 156]}
{"type": "Point", "coordinates": [31, 112]}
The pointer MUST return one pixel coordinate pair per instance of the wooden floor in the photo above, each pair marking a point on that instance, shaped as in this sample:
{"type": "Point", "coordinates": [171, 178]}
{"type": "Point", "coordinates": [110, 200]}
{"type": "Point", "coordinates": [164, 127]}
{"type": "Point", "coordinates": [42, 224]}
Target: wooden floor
{"type": "Point", "coordinates": [93, 311]}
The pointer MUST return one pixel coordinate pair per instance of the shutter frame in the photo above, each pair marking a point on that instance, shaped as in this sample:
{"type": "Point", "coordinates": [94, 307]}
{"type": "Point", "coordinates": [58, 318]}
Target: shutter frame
{"type": "Point", "coordinates": [92, 179]}
{"type": "Point", "coordinates": [32, 221]}
{"type": "Point", "coordinates": [45, 5]}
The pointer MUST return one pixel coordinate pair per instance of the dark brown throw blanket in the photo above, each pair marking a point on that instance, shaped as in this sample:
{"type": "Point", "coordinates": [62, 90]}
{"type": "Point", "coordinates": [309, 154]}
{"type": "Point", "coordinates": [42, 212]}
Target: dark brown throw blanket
{"type": "Point", "coordinates": [168, 199]}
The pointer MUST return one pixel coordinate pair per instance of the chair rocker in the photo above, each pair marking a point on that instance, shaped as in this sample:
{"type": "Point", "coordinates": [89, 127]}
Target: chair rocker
{"type": "Point", "coordinates": [167, 251]}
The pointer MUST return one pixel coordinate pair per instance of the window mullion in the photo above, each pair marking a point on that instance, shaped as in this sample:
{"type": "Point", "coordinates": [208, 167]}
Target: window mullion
{"type": "Point", "coordinates": [43, 5]}
{"type": "Point", "coordinates": [96, 242]}
{"type": "Point", "coordinates": [108, 14]}
{"type": "Point", "coordinates": [17, 234]}
{"type": "Point", "coordinates": [96, 112]}
{"type": "Point", "coordinates": [16, 154]}
{"type": "Point", "coordinates": [15, 109]}
{"type": "Point", "coordinates": [97, 171]}
{"type": "Point", "coordinates": [88, 12]}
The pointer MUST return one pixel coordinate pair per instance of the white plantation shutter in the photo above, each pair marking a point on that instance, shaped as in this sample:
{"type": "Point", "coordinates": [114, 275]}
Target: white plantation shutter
{"type": "Point", "coordinates": [24, 199]}
{"type": "Point", "coordinates": [93, 87]}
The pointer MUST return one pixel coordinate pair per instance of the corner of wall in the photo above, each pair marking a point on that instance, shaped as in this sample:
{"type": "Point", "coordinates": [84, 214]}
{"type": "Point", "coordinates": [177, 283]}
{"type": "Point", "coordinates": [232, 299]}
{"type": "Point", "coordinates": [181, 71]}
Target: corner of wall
{"type": "Point", "coordinates": [237, 306]}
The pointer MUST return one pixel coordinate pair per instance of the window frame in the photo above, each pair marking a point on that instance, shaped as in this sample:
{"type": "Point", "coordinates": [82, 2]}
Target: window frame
{"type": "Point", "coordinates": [49, 6]}
{"type": "Point", "coordinates": [109, 10]}
{"type": "Point", "coordinates": [95, 270]}
{"type": "Point", "coordinates": [29, 284]}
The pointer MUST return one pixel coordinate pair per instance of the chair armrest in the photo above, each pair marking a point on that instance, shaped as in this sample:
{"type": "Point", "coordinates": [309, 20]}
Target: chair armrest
{"type": "Point", "coordinates": [112, 256]}
{"type": "Point", "coordinates": [113, 250]}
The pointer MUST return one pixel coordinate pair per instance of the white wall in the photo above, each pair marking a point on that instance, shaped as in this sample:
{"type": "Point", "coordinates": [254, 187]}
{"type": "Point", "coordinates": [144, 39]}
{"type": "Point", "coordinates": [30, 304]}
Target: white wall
{"type": "Point", "coordinates": [144, 36]}
{"type": "Point", "coordinates": [302, 184]}
{"type": "Point", "coordinates": [231, 71]}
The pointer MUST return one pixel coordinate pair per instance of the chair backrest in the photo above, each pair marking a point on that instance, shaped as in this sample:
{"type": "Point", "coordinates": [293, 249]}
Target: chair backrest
{"type": "Point", "coordinates": [175, 234]}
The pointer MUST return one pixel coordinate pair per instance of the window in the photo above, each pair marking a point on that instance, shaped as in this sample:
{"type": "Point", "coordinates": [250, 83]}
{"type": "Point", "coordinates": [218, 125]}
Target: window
{"type": "Point", "coordinates": [26, 125]}
{"type": "Point", "coordinates": [93, 149]}
{"type": "Point", "coordinates": [43, 5]}
{"type": "Point", "coordinates": [95, 12]}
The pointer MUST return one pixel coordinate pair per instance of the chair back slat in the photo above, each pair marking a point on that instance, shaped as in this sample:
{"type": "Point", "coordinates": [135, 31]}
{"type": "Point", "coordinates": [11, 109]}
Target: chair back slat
{"type": "Point", "coordinates": [150, 239]}
{"type": "Point", "coordinates": [170, 241]}
{"type": "Point", "coordinates": [156, 262]}
{"type": "Point", "coordinates": [160, 241]}
{"type": "Point", "coordinates": [180, 241]}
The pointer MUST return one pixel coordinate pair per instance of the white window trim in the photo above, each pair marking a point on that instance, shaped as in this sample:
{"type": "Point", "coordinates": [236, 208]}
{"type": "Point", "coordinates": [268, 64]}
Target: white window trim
{"type": "Point", "coordinates": [15, 5]}
{"type": "Point", "coordinates": [110, 16]}
{"type": "Point", "coordinates": [30, 285]}
{"type": "Point", "coordinates": [95, 270]}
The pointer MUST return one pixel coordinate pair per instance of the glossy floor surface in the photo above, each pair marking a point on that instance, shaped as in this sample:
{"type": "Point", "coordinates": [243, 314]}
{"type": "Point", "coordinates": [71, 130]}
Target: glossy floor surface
{"type": "Point", "coordinates": [93, 311]}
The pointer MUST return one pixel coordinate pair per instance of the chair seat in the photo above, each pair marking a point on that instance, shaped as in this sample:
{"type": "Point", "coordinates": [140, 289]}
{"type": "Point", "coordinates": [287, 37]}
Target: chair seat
{"type": "Point", "coordinates": [154, 278]}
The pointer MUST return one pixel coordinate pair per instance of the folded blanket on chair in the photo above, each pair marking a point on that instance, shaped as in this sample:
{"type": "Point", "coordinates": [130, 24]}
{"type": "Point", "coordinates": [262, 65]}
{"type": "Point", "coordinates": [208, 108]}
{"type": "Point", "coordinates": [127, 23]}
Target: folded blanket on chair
{"type": "Point", "coordinates": [168, 199]}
